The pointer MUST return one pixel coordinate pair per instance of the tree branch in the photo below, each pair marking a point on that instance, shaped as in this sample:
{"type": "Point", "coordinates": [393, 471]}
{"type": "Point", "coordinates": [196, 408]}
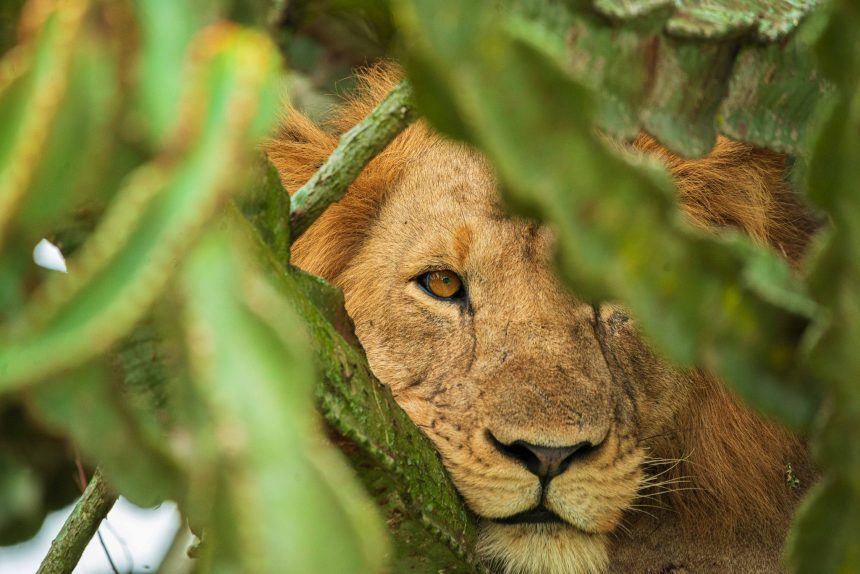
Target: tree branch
{"type": "Point", "coordinates": [356, 148]}
{"type": "Point", "coordinates": [79, 528]}
{"type": "Point", "coordinates": [395, 461]}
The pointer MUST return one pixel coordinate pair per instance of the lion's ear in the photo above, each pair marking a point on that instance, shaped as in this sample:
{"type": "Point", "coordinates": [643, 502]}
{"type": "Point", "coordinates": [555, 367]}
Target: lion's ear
{"type": "Point", "coordinates": [298, 149]}
{"type": "Point", "coordinates": [740, 186]}
{"type": "Point", "coordinates": [301, 147]}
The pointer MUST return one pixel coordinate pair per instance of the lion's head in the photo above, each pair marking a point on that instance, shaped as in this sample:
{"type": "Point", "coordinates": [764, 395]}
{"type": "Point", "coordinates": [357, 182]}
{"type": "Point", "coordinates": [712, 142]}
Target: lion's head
{"type": "Point", "coordinates": [553, 418]}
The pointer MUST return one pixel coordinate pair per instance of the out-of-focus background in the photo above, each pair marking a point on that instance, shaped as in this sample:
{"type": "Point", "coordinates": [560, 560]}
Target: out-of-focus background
{"type": "Point", "coordinates": [136, 540]}
{"type": "Point", "coordinates": [323, 43]}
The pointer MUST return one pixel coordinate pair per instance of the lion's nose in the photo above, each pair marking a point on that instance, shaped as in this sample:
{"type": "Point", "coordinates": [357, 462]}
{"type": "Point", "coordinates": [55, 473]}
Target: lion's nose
{"type": "Point", "coordinates": [545, 462]}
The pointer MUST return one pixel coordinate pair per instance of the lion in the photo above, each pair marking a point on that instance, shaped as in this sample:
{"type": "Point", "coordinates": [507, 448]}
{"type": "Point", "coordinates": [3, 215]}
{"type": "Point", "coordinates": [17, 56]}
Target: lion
{"type": "Point", "coordinates": [577, 446]}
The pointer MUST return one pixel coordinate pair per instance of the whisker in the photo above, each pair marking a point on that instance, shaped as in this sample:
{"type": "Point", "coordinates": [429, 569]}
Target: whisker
{"type": "Point", "coordinates": [657, 460]}
{"type": "Point", "coordinates": [656, 477]}
{"type": "Point", "coordinates": [665, 482]}
{"type": "Point", "coordinates": [661, 473]}
{"type": "Point", "coordinates": [657, 506]}
{"type": "Point", "coordinates": [624, 528]}
{"type": "Point", "coordinates": [682, 489]}
{"type": "Point", "coordinates": [639, 510]}
{"type": "Point", "coordinates": [671, 432]}
{"type": "Point", "coordinates": [660, 460]}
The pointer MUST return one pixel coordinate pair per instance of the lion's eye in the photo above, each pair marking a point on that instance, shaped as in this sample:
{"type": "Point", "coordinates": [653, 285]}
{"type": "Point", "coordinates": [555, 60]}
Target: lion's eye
{"type": "Point", "coordinates": [443, 284]}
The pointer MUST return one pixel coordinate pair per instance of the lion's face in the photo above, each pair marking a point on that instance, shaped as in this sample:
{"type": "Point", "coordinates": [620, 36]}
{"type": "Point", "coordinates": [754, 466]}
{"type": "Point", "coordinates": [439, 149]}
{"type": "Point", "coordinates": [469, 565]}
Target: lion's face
{"type": "Point", "coordinates": [510, 378]}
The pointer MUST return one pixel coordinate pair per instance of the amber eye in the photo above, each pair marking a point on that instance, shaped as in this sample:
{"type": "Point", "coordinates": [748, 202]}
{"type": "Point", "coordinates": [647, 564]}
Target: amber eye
{"type": "Point", "coordinates": [442, 284]}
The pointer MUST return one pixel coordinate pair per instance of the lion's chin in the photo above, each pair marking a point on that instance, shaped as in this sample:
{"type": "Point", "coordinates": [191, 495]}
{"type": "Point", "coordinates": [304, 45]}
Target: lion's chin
{"type": "Point", "coordinates": [541, 549]}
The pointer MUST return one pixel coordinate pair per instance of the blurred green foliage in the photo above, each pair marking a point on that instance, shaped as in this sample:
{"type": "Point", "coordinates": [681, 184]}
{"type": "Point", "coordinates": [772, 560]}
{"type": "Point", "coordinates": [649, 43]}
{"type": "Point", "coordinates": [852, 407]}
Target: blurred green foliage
{"type": "Point", "coordinates": [780, 338]}
{"type": "Point", "coordinates": [180, 353]}
{"type": "Point", "coordinates": [152, 145]}
{"type": "Point", "coordinates": [621, 234]}
{"type": "Point", "coordinates": [183, 355]}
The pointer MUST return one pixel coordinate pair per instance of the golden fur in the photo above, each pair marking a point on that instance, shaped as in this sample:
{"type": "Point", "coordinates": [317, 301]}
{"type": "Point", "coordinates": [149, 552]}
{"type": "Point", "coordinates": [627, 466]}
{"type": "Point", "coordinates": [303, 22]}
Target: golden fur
{"type": "Point", "coordinates": [524, 360]}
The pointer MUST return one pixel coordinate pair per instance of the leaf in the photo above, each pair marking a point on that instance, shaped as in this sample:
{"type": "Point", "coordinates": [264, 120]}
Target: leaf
{"type": "Point", "coordinates": [249, 363]}
{"type": "Point", "coordinates": [166, 30]}
{"type": "Point", "coordinates": [689, 83]}
{"type": "Point", "coordinates": [80, 134]}
{"type": "Point", "coordinates": [683, 70]}
{"type": "Point", "coordinates": [774, 95]}
{"type": "Point", "coordinates": [770, 21]}
{"type": "Point", "coordinates": [823, 538]}
{"type": "Point", "coordinates": [266, 204]}
{"type": "Point", "coordinates": [617, 62]}
{"type": "Point", "coordinates": [33, 83]}
{"type": "Point", "coordinates": [126, 262]}
{"type": "Point", "coordinates": [620, 233]}
{"type": "Point", "coordinates": [99, 415]}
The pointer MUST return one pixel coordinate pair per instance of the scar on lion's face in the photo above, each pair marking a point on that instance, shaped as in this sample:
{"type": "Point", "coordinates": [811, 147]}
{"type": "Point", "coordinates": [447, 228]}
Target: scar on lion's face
{"type": "Point", "coordinates": [552, 416]}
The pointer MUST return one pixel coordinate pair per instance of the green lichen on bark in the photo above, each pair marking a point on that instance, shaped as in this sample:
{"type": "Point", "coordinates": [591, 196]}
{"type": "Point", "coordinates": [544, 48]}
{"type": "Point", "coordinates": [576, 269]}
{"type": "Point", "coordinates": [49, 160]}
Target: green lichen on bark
{"type": "Point", "coordinates": [388, 450]}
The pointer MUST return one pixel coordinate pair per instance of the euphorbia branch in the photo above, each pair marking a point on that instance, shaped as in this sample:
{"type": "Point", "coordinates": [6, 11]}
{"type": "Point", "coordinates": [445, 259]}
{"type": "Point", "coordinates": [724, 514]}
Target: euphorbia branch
{"type": "Point", "coordinates": [80, 527]}
{"type": "Point", "coordinates": [356, 148]}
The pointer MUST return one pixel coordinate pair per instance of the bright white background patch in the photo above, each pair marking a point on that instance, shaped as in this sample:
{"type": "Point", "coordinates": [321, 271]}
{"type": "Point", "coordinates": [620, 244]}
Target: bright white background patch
{"type": "Point", "coordinates": [49, 256]}
{"type": "Point", "coordinates": [137, 539]}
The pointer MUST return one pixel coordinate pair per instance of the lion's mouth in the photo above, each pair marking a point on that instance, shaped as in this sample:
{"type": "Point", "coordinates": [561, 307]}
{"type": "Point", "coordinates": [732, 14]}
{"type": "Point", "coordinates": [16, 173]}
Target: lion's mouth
{"type": "Point", "coordinates": [537, 515]}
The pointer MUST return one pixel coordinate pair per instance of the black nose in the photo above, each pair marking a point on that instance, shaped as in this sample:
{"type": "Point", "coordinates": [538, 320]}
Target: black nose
{"type": "Point", "coordinates": [545, 462]}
